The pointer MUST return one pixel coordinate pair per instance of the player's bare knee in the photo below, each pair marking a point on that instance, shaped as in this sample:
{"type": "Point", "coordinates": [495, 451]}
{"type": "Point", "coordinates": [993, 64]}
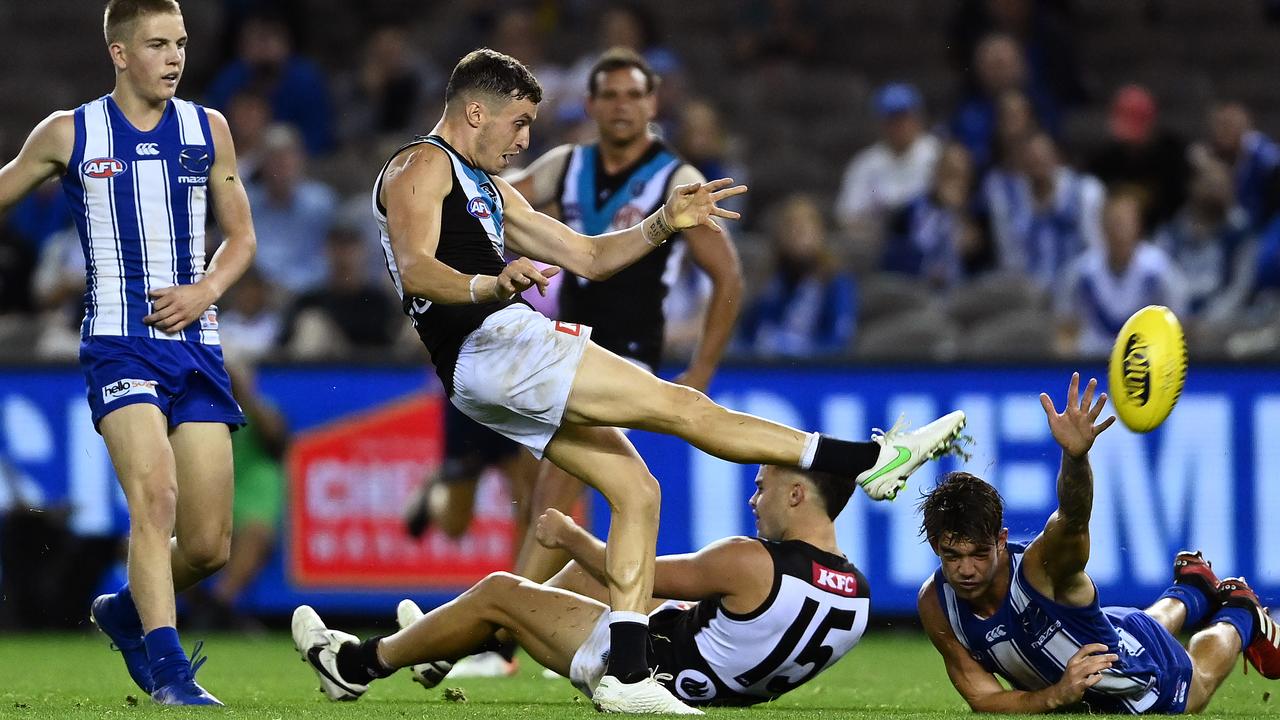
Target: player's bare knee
{"type": "Point", "coordinates": [640, 498]}
{"type": "Point", "coordinates": [154, 504]}
{"type": "Point", "coordinates": [488, 595]}
{"type": "Point", "coordinates": [685, 409]}
{"type": "Point", "coordinates": [207, 553]}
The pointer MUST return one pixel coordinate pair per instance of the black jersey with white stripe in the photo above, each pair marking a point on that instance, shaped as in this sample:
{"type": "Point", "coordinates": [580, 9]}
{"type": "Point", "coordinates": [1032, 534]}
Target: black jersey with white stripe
{"type": "Point", "coordinates": [815, 613]}
{"type": "Point", "coordinates": [472, 241]}
{"type": "Point", "coordinates": [625, 311]}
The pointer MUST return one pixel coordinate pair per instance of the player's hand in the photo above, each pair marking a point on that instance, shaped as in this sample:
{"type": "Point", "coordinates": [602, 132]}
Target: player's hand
{"type": "Point", "coordinates": [1084, 670]}
{"type": "Point", "coordinates": [695, 204]}
{"type": "Point", "coordinates": [694, 377]}
{"type": "Point", "coordinates": [174, 308]}
{"type": "Point", "coordinates": [520, 275]}
{"type": "Point", "coordinates": [554, 528]}
{"type": "Point", "coordinates": [1074, 427]}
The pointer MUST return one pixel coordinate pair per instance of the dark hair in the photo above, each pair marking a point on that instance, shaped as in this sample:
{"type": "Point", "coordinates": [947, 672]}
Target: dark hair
{"type": "Point", "coordinates": [120, 14]}
{"type": "Point", "coordinates": [621, 58]}
{"type": "Point", "coordinates": [961, 506]}
{"type": "Point", "coordinates": [835, 490]}
{"type": "Point", "coordinates": [493, 73]}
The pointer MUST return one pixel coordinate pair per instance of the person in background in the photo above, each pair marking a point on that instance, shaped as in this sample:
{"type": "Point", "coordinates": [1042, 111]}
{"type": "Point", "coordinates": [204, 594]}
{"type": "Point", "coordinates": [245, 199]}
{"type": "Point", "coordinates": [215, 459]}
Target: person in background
{"type": "Point", "coordinates": [809, 306]}
{"type": "Point", "coordinates": [1143, 158]}
{"type": "Point", "coordinates": [1253, 157]}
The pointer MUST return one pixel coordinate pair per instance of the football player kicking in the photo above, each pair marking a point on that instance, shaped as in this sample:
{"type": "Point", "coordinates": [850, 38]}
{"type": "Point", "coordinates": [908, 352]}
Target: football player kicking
{"type": "Point", "coordinates": [741, 621]}
{"type": "Point", "coordinates": [1031, 615]}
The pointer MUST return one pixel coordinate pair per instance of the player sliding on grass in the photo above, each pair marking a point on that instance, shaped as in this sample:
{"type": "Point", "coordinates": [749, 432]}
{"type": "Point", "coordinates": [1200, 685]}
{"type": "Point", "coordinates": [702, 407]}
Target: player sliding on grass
{"type": "Point", "coordinates": [744, 621]}
{"type": "Point", "coordinates": [1031, 615]}
{"type": "Point", "coordinates": [446, 219]}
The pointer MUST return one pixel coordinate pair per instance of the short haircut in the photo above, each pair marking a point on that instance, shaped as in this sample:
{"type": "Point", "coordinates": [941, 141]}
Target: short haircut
{"type": "Point", "coordinates": [962, 506]}
{"type": "Point", "coordinates": [120, 15]}
{"type": "Point", "coordinates": [621, 58]}
{"type": "Point", "coordinates": [834, 490]}
{"type": "Point", "coordinates": [493, 73]}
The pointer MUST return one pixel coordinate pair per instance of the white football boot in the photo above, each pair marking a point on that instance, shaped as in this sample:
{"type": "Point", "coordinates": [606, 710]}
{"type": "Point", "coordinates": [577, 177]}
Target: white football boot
{"type": "Point", "coordinates": [903, 451]}
{"type": "Point", "coordinates": [484, 665]}
{"type": "Point", "coordinates": [427, 674]}
{"type": "Point", "coordinates": [318, 647]}
{"type": "Point", "coordinates": [647, 697]}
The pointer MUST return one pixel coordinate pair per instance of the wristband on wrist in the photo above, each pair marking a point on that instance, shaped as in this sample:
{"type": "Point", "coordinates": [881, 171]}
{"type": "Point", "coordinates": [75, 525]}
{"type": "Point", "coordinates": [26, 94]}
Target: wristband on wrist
{"type": "Point", "coordinates": [656, 229]}
{"type": "Point", "coordinates": [471, 288]}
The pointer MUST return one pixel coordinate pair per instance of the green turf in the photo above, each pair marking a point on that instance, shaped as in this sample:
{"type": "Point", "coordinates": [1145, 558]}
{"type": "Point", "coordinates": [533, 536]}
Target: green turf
{"type": "Point", "coordinates": [75, 676]}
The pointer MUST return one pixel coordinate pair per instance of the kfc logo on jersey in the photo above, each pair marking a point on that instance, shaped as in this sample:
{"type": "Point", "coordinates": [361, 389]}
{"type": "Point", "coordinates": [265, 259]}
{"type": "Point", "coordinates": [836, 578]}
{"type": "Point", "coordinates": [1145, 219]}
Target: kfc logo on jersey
{"type": "Point", "coordinates": [107, 167]}
{"type": "Point", "coordinates": [147, 149]}
{"type": "Point", "coordinates": [843, 583]}
{"type": "Point", "coordinates": [126, 387]}
{"type": "Point", "coordinates": [478, 208]}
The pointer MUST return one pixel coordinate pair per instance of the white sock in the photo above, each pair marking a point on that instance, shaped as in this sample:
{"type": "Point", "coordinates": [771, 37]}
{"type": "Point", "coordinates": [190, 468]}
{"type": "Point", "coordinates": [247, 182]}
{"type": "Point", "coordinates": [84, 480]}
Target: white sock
{"type": "Point", "coordinates": [810, 450]}
{"type": "Point", "coordinates": [617, 616]}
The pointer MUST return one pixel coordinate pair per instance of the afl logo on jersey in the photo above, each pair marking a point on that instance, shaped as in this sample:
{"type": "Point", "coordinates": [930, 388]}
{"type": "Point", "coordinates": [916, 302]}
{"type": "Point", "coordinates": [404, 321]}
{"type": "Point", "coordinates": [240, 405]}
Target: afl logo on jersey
{"type": "Point", "coordinates": [478, 208]}
{"type": "Point", "coordinates": [106, 167]}
{"type": "Point", "coordinates": [194, 160]}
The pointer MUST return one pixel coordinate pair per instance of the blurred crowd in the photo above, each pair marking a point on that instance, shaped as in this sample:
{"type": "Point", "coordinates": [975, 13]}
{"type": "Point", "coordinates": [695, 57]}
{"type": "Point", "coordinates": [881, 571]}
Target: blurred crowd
{"type": "Point", "coordinates": [970, 230]}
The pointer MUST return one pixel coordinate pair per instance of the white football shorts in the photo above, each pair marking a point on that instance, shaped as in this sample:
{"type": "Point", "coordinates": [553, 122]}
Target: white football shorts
{"type": "Point", "coordinates": [515, 371]}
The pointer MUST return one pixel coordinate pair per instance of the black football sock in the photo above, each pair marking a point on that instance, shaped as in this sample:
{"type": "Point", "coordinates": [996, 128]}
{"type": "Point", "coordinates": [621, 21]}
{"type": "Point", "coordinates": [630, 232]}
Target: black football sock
{"type": "Point", "coordinates": [359, 664]}
{"type": "Point", "coordinates": [628, 646]}
{"type": "Point", "coordinates": [843, 457]}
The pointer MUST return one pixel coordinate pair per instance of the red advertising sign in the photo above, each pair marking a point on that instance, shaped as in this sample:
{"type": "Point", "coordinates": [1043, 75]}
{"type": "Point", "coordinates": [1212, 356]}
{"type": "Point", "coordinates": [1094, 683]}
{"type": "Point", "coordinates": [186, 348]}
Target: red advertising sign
{"type": "Point", "coordinates": [349, 483]}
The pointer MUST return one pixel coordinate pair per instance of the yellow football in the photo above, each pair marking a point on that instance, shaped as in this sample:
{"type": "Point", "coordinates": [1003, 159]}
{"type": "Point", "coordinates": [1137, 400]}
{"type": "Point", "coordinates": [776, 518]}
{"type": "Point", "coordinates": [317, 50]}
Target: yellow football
{"type": "Point", "coordinates": [1148, 368]}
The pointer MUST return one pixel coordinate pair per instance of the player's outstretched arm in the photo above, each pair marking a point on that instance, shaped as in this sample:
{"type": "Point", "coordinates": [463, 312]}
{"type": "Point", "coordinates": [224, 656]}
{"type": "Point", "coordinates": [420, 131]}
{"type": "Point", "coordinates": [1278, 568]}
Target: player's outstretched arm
{"type": "Point", "coordinates": [544, 238]}
{"type": "Point", "coordinates": [1056, 560]}
{"type": "Point", "coordinates": [983, 691]}
{"type": "Point", "coordinates": [174, 308]}
{"type": "Point", "coordinates": [736, 568]}
{"type": "Point", "coordinates": [44, 155]}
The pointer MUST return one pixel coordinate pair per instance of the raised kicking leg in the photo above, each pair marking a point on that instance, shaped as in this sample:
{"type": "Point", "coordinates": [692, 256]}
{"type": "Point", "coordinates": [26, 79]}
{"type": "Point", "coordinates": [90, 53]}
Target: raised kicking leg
{"type": "Point", "coordinates": [608, 390]}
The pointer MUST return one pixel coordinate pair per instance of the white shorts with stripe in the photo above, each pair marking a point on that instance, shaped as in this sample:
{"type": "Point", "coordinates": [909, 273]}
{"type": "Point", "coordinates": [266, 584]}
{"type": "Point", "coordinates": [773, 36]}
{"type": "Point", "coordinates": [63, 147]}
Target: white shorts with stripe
{"type": "Point", "coordinates": [515, 371]}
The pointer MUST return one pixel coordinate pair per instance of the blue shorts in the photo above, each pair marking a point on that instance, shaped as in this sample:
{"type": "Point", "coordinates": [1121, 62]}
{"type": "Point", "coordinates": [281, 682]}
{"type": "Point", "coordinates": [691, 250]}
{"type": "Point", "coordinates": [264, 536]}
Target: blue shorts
{"type": "Point", "coordinates": [1171, 660]}
{"type": "Point", "coordinates": [186, 380]}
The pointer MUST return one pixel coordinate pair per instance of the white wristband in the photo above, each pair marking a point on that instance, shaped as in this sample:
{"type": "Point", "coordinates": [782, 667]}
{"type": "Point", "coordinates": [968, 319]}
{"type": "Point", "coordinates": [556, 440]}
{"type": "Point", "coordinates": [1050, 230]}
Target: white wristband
{"type": "Point", "coordinates": [471, 288]}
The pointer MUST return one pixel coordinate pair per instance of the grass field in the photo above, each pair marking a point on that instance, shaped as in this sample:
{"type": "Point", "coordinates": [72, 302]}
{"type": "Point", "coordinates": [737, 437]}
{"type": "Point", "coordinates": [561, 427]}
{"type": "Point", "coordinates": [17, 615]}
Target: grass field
{"type": "Point", "coordinates": [890, 675]}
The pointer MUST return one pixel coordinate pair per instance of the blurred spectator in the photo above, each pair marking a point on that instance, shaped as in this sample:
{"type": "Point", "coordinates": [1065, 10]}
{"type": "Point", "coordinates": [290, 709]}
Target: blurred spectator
{"type": "Point", "coordinates": [292, 214]}
{"type": "Point", "coordinates": [1210, 241]}
{"type": "Point", "coordinates": [17, 262]}
{"type": "Point", "coordinates": [787, 30]}
{"type": "Point", "coordinates": [58, 285]}
{"type": "Point", "coordinates": [999, 67]}
{"type": "Point", "coordinates": [936, 236]}
{"type": "Point", "coordinates": [250, 322]}
{"type": "Point", "coordinates": [809, 306]}
{"type": "Point", "coordinates": [1141, 158]}
{"type": "Point", "coordinates": [387, 92]}
{"type": "Point", "coordinates": [1253, 157]}
{"type": "Point", "coordinates": [1102, 287]}
{"type": "Point", "coordinates": [266, 64]}
{"type": "Point", "coordinates": [1040, 26]}
{"type": "Point", "coordinates": [895, 170]}
{"type": "Point", "coordinates": [249, 116]}
{"type": "Point", "coordinates": [258, 450]}
{"type": "Point", "coordinates": [1015, 124]}
{"type": "Point", "coordinates": [37, 216]}
{"type": "Point", "coordinates": [1044, 216]}
{"type": "Point", "coordinates": [630, 26]}
{"type": "Point", "coordinates": [701, 140]}
{"type": "Point", "coordinates": [518, 33]}
{"type": "Point", "coordinates": [349, 312]}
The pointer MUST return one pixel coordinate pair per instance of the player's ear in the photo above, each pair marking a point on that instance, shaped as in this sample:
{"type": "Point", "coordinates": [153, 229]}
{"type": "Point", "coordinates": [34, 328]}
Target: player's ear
{"type": "Point", "coordinates": [798, 494]}
{"type": "Point", "coordinates": [474, 111]}
{"type": "Point", "coordinates": [116, 50]}
{"type": "Point", "coordinates": [1002, 539]}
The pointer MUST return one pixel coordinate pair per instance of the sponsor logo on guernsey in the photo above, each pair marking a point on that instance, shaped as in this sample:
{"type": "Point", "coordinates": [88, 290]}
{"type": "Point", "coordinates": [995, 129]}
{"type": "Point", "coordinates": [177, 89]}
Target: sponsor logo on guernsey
{"type": "Point", "coordinates": [996, 633]}
{"type": "Point", "coordinates": [835, 581]}
{"type": "Point", "coordinates": [694, 685]}
{"type": "Point", "coordinates": [147, 149]}
{"type": "Point", "coordinates": [490, 190]}
{"type": "Point", "coordinates": [128, 386]}
{"type": "Point", "coordinates": [478, 208]}
{"type": "Point", "coordinates": [194, 160]}
{"type": "Point", "coordinates": [103, 167]}
{"type": "Point", "coordinates": [209, 320]}
{"type": "Point", "coordinates": [573, 329]}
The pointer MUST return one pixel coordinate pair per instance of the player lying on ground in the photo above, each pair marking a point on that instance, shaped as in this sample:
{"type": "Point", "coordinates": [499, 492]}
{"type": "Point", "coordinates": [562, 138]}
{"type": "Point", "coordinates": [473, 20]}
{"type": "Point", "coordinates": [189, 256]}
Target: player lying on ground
{"type": "Point", "coordinates": [1031, 614]}
{"type": "Point", "coordinates": [722, 636]}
